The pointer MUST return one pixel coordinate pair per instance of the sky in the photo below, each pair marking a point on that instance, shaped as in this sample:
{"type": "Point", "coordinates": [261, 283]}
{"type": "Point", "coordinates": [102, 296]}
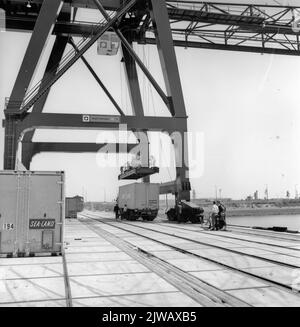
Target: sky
{"type": "Point", "coordinates": [242, 108]}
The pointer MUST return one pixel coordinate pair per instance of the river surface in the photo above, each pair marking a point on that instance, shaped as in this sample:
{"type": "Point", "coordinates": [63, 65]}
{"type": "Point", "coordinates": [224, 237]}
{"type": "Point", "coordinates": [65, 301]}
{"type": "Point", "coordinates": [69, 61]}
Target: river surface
{"type": "Point", "coordinates": [290, 221]}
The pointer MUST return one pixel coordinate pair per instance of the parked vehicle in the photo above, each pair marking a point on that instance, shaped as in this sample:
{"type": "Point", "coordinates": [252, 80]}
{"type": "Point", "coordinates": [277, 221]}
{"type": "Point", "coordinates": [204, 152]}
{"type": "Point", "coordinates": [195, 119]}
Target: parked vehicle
{"type": "Point", "coordinates": [31, 213]}
{"type": "Point", "coordinates": [141, 201]}
{"type": "Point", "coordinates": [73, 206]}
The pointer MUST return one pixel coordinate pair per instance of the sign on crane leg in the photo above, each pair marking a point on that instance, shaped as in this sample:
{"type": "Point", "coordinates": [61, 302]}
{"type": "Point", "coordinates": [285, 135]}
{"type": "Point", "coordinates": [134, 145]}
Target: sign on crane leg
{"type": "Point", "coordinates": [108, 44]}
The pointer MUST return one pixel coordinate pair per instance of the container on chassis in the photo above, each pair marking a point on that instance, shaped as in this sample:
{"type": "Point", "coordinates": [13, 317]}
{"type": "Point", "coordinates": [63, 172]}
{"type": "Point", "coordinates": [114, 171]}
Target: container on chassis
{"type": "Point", "coordinates": [142, 200]}
{"type": "Point", "coordinates": [73, 206]}
{"type": "Point", "coordinates": [31, 213]}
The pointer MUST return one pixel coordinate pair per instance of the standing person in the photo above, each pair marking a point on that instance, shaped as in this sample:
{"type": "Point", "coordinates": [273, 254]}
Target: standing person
{"type": "Point", "coordinates": [116, 210]}
{"type": "Point", "coordinates": [214, 215]}
{"type": "Point", "coordinates": [179, 212]}
{"type": "Point", "coordinates": [222, 215]}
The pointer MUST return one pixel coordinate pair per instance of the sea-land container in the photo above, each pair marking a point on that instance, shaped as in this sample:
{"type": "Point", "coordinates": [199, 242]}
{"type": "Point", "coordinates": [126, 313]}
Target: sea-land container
{"type": "Point", "coordinates": [73, 206]}
{"type": "Point", "coordinates": [141, 199]}
{"type": "Point", "coordinates": [32, 211]}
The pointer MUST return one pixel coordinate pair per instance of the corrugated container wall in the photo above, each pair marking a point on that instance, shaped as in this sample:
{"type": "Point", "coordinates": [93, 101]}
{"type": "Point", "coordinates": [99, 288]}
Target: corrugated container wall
{"type": "Point", "coordinates": [139, 196]}
{"type": "Point", "coordinates": [73, 206]}
{"type": "Point", "coordinates": [31, 212]}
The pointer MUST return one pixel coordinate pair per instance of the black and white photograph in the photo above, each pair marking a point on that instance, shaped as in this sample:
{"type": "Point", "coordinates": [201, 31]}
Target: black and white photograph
{"type": "Point", "coordinates": [149, 157]}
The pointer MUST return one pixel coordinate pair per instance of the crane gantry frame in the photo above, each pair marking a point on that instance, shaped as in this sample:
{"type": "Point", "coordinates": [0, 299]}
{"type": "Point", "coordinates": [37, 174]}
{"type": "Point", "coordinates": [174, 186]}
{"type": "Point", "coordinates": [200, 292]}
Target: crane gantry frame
{"type": "Point", "coordinates": [198, 24]}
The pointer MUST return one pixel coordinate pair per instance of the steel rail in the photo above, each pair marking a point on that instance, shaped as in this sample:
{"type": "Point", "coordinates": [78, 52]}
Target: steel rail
{"type": "Point", "coordinates": [193, 287]}
{"type": "Point", "coordinates": [176, 248]}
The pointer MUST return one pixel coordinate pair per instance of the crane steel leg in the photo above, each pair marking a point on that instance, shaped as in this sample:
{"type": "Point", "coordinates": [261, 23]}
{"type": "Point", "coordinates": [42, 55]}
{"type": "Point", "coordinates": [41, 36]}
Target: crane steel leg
{"type": "Point", "coordinates": [43, 28]}
{"type": "Point", "coordinates": [29, 150]}
{"type": "Point", "coordinates": [171, 75]}
{"type": "Point", "coordinates": [10, 143]}
{"type": "Point", "coordinates": [167, 56]}
{"type": "Point", "coordinates": [179, 140]}
{"type": "Point", "coordinates": [53, 63]}
{"type": "Point", "coordinates": [136, 102]}
{"type": "Point", "coordinates": [57, 52]}
{"type": "Point", "coordinates": [133, 83]}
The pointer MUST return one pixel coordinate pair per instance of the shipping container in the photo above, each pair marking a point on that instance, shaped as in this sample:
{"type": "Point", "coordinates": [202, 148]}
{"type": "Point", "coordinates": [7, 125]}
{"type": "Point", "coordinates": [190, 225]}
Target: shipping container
{"type": "Point", "coordinates": [141, 199]}
{"type": "Point", "coordinates": [73, 206]}
{"type": "Point", "coordinates": [32, 210]}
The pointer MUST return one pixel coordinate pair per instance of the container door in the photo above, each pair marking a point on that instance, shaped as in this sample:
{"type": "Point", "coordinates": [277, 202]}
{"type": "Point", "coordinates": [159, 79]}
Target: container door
{"type": "Point", "coordinates": [45, 198]}
{"type": "Point", "coordinates": [47, 240]}
{"type": "Point", "coordinates": [10, 189]}
{"type": "Point", "coordinates": [141, 196]}
{"type": "Point", "coordinates": [130, 196]}
{"type": "Point", "coordinates": [153, 196]}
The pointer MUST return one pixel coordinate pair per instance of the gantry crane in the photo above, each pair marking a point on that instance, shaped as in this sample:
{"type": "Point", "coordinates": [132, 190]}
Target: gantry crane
{"type": "Point", "coordinates": [271, 29]}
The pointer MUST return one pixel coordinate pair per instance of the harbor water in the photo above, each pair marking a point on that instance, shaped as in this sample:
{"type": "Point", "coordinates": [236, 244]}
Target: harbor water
{"type": "Point", "coordinates": [290, 221]}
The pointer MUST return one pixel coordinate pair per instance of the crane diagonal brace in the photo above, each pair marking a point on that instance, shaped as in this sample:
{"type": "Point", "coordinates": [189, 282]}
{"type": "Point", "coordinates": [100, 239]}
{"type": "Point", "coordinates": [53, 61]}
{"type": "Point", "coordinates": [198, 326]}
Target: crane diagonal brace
{"type": "Point", "coordinates": [164, 97]}
{"type": "Point", "coordinates": [36, 93]}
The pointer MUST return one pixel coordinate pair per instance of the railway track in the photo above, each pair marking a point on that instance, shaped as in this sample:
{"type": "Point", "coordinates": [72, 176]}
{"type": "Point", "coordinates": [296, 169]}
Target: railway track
{"type": "Point", "coordinates": [247, 230]}
{"type": "Point", "coordinates": [132, 228]}
{"type": "Point", "coordinates": [236, 238]}
{"type": "Point", "coordinates": [250, 231]}
{"type": "Point", "coordinates": [268, 234]}
{"type": "Point", "coordinates": [67, 281]}
{"type": "Point", "coordinates": [201, 292]}
{"type": "Point", "coordinates": [210, 244]}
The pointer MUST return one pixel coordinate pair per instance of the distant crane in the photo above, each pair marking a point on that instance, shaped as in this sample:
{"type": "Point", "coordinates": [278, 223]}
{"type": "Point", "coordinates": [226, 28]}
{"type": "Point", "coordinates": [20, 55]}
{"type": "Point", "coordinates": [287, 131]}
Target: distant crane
{"type": "Point", "coordinates": [266, 193]}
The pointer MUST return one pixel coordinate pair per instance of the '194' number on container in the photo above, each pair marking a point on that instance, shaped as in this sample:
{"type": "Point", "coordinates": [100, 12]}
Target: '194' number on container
{"type": "Point", "coordinates": [8, 226]}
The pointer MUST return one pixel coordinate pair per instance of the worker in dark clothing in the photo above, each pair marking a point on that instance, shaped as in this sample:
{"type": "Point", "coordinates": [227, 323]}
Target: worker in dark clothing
{"type": "Point", "coordinates": [179, 212]}
{"type": "Point", "coordinates": [214, 216]}
{"type": "Point", "coordinates": [117, 210]}
{"type": "Point", "coordinates": [221, 216]}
